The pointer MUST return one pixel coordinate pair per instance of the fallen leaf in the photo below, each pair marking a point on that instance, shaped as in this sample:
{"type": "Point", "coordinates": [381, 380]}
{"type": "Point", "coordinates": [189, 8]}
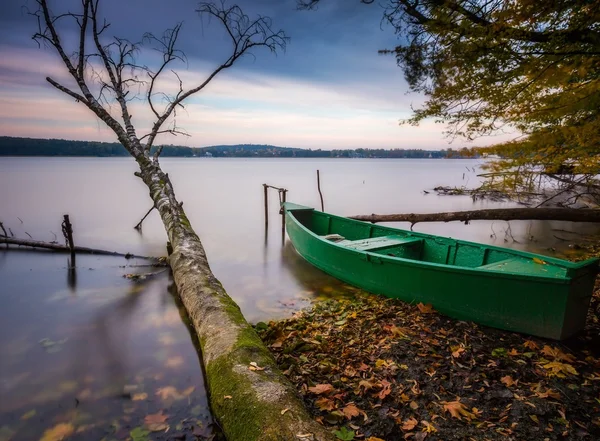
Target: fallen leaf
{"type": "Point", "coordinates": [386, 389]}
{"type": "Point", "coordinates": [428, 427]}
{"type": "Point", "coordinates": [560, 370]}
{"type": "Point", "coordinates": [534, 418]}
{"type": "Point", "coordinates": [508, 381]}
{"type": "Point", "coordinates": [409, 424]}
{"type": "Point", "coordinates": [457, 409]}
{"type": "Point", "coordinates": [321, 388]}
{"type": "Point", "coordinates": [425, 309]}
{"type": "Point", "coordinates": [531, 345]}
{"type": "Point", "coordinates": [156, 422]}
{"type": "Point", "coordinates": [414, 405]}
{"type": "Point", "coordinates": [539, 261]}
{"type": "Point", "coordinates": [344, 434]}
{"type": "Point", "coordinates": [325, 404]}
{"type": "Point", "coordinates": [139, 397]}
{"type": "Point", "coordinates": [284, 411]}
{"type": "Point", "coordinates": [374, 438]}
{"type": "Point", "coordinates": [351, 411]}
{"type": "Point", "coordinates": [255, 367]}
{"type": "Point", "coordinates": [28, 415]}
{"type": "Point", "coordinates": [457, 351]}
{"type": "Point", "coordinates": [169, 392]}
{"type": "Point", "coordinates": [58, 432]}
{"type": "Point", "coordinates": [557, 354]}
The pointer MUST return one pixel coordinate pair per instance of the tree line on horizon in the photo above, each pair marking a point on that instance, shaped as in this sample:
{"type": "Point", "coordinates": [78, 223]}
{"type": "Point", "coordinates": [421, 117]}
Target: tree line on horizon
{"type": "Point", "coordinates": [14, 146]}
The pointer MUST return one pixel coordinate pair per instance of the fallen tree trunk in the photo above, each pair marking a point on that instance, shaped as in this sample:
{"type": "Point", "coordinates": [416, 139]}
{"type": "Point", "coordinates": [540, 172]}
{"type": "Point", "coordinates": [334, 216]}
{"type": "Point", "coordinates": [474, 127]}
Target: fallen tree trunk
{"type": "Point", "coordinates": [54, 246]}
{"type": "Point", "coordinates": [248, 393]}
{"type": "Point", "coordinates": [559, 214]}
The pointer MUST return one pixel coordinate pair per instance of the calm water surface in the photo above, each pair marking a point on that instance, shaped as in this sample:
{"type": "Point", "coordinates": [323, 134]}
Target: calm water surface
{"type": "Point", "coordinates": [97, 352]}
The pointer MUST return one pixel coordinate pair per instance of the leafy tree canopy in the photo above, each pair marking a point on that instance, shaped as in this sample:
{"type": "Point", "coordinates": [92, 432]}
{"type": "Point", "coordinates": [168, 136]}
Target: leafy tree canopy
{"type": "Point", "coordinates": [490, 65]}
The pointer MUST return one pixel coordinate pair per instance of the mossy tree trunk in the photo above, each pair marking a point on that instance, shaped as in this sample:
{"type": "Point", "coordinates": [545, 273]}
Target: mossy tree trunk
{"type": "Point", "coordinates": [249, 404]}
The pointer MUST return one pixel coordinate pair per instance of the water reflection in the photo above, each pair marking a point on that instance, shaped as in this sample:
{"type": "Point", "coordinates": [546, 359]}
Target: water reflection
{"type": "Point", "coordinates": [96, 356]}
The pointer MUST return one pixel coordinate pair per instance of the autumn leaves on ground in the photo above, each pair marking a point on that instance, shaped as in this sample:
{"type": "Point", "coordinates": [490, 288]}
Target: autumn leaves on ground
{"type": "Point", "coordinates": [378, 369]}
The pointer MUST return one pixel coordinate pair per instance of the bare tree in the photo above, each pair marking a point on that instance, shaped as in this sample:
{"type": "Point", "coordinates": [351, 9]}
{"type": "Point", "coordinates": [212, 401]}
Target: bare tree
{"type": "Point", "coordinates": [105, 72]}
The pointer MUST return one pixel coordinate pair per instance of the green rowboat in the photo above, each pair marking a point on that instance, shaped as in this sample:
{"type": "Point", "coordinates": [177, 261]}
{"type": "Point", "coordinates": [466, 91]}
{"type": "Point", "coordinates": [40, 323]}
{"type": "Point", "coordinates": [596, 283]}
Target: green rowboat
{"type": "Point", "coordinates": [494, 286]}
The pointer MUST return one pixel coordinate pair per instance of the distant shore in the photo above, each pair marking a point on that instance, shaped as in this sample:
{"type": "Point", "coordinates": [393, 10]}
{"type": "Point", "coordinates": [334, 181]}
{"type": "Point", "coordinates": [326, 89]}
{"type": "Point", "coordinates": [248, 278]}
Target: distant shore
{"type": "Point", "coordinates": [36, 147]}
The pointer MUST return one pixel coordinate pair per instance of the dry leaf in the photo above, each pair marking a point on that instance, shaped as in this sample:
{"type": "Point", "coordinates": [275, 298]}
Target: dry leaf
{"type": "Point", "coordinates": [227, 397]}
{"type": "Point", "coordinates": [457, 409]}
{"type": "Point", "coordinates": [386, 389]}
{"type": "Point", "coordinates": [139, 397]}
{"type": "Point", "coordinates": [321, 388]}
{"type": "Point", "coordinates": [255, 367]}
{"type": "Point", "coordinates": [425, 309]}
{"type": "Point", "coordinates": [508, 381]}
{"type": "Point", "coordinates": [58, 432]}
{"type": "Point", "coordinates": [529, 344]}
{"type": "Point", "coordinates": [409, 424]}
{"type": "Point", "coordinates": [539, 261]}
{"type": "Point", "coordinates": [428, 427]}
{"type": "Point", "coordinates": [414, 405]}
{"type": "Point", "coordinates": [325, 404]}
{"type": "Point", "coordinates": [557, 354]}
{"type": "Point", "coordinates": [374, 438]}
{"type": "Point", "coordinates": [284, 411]}
{"type": "Point", "coordinates": [560, 370]}
{"type": "Point", "coordinates": [169, 392]}
{"type": "Point", "coordinates": [351, 411]}
{"type": "Point", "coordinates": [156, 422]}
{"type": "Point", "coordinates": [457, 351]}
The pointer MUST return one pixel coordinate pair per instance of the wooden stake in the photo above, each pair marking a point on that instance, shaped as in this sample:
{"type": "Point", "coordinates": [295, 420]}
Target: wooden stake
{"type": "Point", "coordinates": [68, 233]}
{"type": "Point", "coordinates": [283, 196]}
{"type": "Point", "coordinates": [266, 189]}
{"type": "Point", "coordinates": [319, 187]}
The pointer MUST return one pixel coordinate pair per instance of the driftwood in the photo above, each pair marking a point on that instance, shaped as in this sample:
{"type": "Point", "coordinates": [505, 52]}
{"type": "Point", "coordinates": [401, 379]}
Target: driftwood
{"type": "Point", "coordinates": [559, 214]}
{"type": "Point", "coordinates": [55, 246]}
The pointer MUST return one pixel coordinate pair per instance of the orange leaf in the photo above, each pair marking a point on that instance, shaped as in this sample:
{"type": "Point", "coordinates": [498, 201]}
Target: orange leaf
{"type": "Point", "coordinates": [425, 309]}
{"type": "Point", "coordinates": [557, 354]}
{"type": "Point", "coordinates": [385, 390]}
{"type": "Point", "coordinates": [325, 404]}
{"type": "Point", "coordinates": [58, 432]}
{"type": "Point", "coordinates": [508, 381]}
{"type": "Point", "coordinates": [321, 389]}
{"type": "Point", "coordinates": [156, 422]}
{"type": "Point", "coordinates": [457, 409]}
{"type": "Point", "coordinates": [457, 351]}
{"type": "Point", "coordinates": [409, 424]}
{"type": "Point", "coordinates": [351, 411]}
{"type": "Point", "coordinates": [531, 345]}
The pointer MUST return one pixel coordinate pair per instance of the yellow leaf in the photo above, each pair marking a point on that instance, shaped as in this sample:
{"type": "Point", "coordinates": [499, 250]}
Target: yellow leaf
{"type": "Point", "coordinates": [227, 397]}
{"type": "Point", "coordinates": [139, 397]}
{"type": "Point", "coordinates": [534, 418]}
{"type": "Point", "coordinates": [560, 370]}
{"type": "Point", "coordinates": [539, 261]}
{"type": "Point", "coordinates": [374, 438]}
{"type": "Point", "coordinates": [429, 428]}
{"type": "Point", "coordinates": [59, 432]}
{"type": "Point", "coordinates": [284, 411]}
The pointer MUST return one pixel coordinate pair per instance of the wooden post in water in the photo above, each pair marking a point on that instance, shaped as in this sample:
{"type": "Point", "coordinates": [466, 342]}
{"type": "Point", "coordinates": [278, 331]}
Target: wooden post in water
{"type": "Point", "coordinates": [283, 196]}
{"type": "Point", "coordinates": [319, 188]}
{"type": "Point", "coordinates": [266, 189]}
{"type": "Point", "coordinates": [67, 229]}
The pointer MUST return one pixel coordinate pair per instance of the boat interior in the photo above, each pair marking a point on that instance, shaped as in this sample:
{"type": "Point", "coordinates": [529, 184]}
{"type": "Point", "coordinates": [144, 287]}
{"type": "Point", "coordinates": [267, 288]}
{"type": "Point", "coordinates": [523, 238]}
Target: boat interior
{"type": "Point", "coordinates": [392, 242]}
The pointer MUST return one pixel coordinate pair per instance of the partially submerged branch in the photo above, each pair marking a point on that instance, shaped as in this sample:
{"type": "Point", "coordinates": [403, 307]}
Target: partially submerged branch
{"type": "Point", "coordinates": [54, 246]}
{"type": "Point", "coordinates": [559, 214]}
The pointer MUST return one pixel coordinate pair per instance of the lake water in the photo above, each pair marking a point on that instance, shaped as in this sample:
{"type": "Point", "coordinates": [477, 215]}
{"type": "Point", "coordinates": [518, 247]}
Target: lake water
{"type": "Point", "coordinates": [92, 352]}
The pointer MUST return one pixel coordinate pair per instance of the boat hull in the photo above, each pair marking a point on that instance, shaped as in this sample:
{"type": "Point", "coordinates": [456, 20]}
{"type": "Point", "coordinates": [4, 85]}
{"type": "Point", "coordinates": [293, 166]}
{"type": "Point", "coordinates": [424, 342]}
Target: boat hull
{"type": "Point", "coordinates": [548, 307]}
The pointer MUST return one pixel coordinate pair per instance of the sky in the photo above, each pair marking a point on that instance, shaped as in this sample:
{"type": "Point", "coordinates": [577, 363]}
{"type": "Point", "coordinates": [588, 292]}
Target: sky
{"type": "Point", "coordinates": [329, 89]}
